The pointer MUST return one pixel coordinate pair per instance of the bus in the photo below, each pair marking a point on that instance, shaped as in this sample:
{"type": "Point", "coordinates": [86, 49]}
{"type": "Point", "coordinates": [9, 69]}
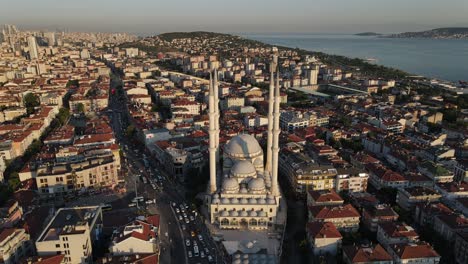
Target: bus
{"type": "Point", "coordinates": [106, 207]}
{"type": "Point", "coordinates": [195, 251]}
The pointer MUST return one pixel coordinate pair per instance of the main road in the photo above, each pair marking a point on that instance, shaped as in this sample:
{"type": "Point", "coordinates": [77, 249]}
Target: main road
{"type": "Point", "coordinates": [174, 232]}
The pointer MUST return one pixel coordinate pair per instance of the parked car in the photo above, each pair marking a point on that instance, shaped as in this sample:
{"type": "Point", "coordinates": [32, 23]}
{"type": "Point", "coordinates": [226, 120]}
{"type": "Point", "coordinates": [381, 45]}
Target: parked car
{"type": "Point", "coordinates": [187, 242]}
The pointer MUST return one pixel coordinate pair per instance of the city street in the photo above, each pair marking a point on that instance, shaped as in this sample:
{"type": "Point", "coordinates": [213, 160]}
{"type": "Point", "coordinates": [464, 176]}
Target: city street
{"type": "Point", "coordinates": [179, 221]}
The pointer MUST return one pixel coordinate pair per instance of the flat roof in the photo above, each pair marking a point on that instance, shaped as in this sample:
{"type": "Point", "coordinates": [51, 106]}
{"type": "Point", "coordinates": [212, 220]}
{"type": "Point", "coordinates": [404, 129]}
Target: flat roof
{"type": "Point", "coordinates": [70, 221]}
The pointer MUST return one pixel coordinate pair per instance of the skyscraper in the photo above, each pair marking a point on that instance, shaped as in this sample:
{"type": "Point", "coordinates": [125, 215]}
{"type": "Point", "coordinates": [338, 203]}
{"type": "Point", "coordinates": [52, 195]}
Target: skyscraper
{"type": "Point", "coordinates": [32, 45]}
{"type": "Point", "coordinates": [50, 36]}
{"type": "Point", "coordinates": [312, 74]}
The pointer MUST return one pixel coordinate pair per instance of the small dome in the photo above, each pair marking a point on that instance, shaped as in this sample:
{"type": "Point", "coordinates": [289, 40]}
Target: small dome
{"type": "Point", "coordinates": [237, 256]}
{"type": "Point", "coordinates": [243, 169]}
{"type": "Point", "coordinates": [225, 201]}
{"type": "Point", "coordinates": [244, 214]}
{"type": "Point", "coordinates": [245, 256]}
{"type": "Point", "coordinates": [234, 200]}
{"type": "Point", "coordinates": [271, 201]}
{"type": "Point", "coordinates": [252, 213]}
{"type": "Point", "coordinates": [237, 261]}
{"type": "Point", "coordinates": [216, 201]}
{"type": "Point", "coordinates": [252, 201]}
{"type": "Point", "coordinates": [243, 190]}
{"type": "Point", "coordinates": [230, 185]}
{"type": "Point", "coordinates": [262, 201]}
{"type": "Point", "coordinates": [224, 213]}
{"type": "Point", "coordinates": [243, 146]}
{"type": "Point", "coordinates": [262, 214]}
{"type": "Point", "coordinates": [234, 213]}
{"type": "Point", "coordinates": [215, 196]}
{"type": "Point", "coordinates": [257, 184]}
{"type": "Point", "coordinates": [244, 201]}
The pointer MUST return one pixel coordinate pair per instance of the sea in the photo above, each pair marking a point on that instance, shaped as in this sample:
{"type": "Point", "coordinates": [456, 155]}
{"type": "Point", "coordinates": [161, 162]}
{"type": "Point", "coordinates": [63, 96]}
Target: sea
{"type": "Point", "coordinates": [444, 59]}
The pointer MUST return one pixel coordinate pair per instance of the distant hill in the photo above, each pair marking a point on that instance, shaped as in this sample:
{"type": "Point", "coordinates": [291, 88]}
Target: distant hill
{"type": "Point", "coordinates": [438, 33]}
{"type": "Point", "coordinates": [364, 34]}
{"type": "Point", "coordinates": [195, 34]}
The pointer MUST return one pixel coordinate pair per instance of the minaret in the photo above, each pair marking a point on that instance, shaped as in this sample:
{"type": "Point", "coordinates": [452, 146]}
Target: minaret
{"type": "Point", "coordinates": [212, 134]}
{"type": "Point", "coordinates": [276, 132]}
{"type": "Point", "coordinates": [271, 100]}
{"type": "Point", "coordinates": [216, 107]}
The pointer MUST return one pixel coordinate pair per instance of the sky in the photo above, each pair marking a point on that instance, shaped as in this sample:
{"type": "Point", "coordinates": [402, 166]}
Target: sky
{"type": "Point", "coordinates": [146, 17]}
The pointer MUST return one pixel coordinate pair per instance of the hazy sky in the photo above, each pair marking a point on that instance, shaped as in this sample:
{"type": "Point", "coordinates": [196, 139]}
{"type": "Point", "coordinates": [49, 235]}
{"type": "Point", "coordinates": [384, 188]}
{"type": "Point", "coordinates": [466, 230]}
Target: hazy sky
{"type": "Point", "coordinates": [156, 16]}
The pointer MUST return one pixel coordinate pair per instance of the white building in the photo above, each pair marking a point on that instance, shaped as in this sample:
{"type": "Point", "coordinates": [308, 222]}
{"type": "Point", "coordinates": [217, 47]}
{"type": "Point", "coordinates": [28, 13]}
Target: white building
{"type": "Point", "coordinates": [71, 232]}
{"type": "Point", "coordinates": [138, 237]}
{"type": "Point", "coordinates": [14, 245]}
{"type": "Point", "coordinates": [32, 46]}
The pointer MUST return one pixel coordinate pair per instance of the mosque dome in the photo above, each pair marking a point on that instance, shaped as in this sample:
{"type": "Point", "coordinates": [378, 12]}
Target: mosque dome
{"type": "Point", "coordinates": [225, 201]}
{"type": "Point", "coordinates": [234, 213]}
{"type": "Point", "coordinates": [243, 169]}
{"type": "Point", "coordinates": [230, 185]}
{"type": "Point", "coordinates": [224, 213]}
{"type": "Point", "coordinates": [252, 213]}
{"type": "Point", "coordinates": [243, 146]}
{"type": "Point", "coordinates": [262, 201]}
{"type": "Point", "coordinates": [234, 200]}
{"type": "Point", "coordinates": [271, 201]}
{"type": "Point", "coordinates": [257, 184]}
{"type": "Point", "coordinates": [252, 201]}
{"type": "Point", "coordinates": [244, 214]}
{"type": "Point", "coordinates": [244, 201]}
{"type": "Point", "coordinates": [262, 214]}
{"type": "Point", "coordinates": [243, 190]}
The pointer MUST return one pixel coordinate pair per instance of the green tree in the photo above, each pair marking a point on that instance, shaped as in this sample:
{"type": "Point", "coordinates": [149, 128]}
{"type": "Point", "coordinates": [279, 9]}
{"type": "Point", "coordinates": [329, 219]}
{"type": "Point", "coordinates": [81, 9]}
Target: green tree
{"type": "Point", "coordinates": [130, 131]}
{"type": "Point", "coordinates": [14, 181]}
{"type": "Point", "coordinates": [80, 108]}
{"type": "Point", "coordinates": [30, 101]}
{"type": "Point", "coordinates": [73, 83]}
{"type": "Point", "coordinates": [63, 115]}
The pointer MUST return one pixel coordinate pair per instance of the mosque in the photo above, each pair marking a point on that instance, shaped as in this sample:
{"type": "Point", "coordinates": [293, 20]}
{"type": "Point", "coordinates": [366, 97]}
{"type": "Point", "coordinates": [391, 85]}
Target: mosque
{"type": "Point", "coordinates": [244, 193]}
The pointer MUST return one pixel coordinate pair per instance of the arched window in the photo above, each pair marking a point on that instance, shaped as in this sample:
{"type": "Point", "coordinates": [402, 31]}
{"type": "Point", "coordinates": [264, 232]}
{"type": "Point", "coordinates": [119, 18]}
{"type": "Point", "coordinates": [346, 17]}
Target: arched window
{"type": "Point", "coordinates": [224, 221]}
{"type": "Point", "coordinates": [262, 222]}
{"type": "Point", "coordinates": [253, 222]}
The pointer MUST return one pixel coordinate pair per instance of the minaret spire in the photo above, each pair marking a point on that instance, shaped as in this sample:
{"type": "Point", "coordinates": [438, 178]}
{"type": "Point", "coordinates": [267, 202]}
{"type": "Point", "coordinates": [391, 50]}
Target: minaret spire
{"type": "Point", "coordinates": [217, 114]}
{"type": "Point", "coordinates": [276, 132]}
{"type": "Point", "coordinates": [212, 135]}
{"type": "Point", "coordinates": [271, 100]}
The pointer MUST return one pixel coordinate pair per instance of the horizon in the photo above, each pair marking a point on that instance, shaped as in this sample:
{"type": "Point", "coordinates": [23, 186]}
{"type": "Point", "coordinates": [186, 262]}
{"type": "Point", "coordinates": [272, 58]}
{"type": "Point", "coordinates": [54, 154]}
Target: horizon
{"type": "Point", "coordinates": [143, 17]}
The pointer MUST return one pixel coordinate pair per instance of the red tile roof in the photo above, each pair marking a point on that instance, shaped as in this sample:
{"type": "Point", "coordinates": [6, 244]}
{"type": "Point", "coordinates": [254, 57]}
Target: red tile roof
{"type": "Point", "coordinates": [327, 212]}
{"type": "Point", "coordinates": [414, 251]}
{"type": "Point", "coordinates": [358, 254]}
{"type": "Point", "coordinates": [323, 230]}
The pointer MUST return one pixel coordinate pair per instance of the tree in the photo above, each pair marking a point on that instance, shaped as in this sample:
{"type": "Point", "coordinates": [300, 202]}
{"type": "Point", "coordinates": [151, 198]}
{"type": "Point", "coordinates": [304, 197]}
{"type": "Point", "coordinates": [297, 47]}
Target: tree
{"type": "Point", "coordinates": [73, 83]}
{"type": "Point", "coordinates": [80, 108]}
{"type": "Point", "coordinates": [63, 115]}
{"type": "Point", "coordinates": [14, 181]}
{"type": "Point", "coordinates": [130, 131]}
{"type": "Point", "coordinates": [31, 101]}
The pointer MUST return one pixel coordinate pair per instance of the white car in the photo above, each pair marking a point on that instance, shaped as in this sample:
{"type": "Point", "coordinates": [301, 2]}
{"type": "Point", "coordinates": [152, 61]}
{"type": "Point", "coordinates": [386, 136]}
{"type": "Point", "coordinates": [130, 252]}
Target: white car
{"type": "Point", "coordinates": [180, 218]}
{"type": "Point", "coordinates": [202, 254]}
{"type": "Point", "coordinates": [187, 242]}
{"type": "Point", "coordinates": [192, 218]}
{"type": "Point", "coordinates": [190, 254]}
{"type": "Point", "coordinates": [210, 258]}
{"type": "Point", "coordinates": [200, 237]}
{"type": "Point", "coordinates": [177, 210]}
{"type": "Point", "coordinates": [187, 221]}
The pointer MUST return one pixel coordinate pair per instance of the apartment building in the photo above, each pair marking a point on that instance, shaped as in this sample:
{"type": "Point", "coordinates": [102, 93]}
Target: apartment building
{"type": "Point", "coordinates": [71, 232]}
{"type": "Point", "coordinates": [14, 245]}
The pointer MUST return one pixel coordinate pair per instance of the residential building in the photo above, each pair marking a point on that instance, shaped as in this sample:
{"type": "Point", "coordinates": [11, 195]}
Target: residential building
{"type": "Point", "coordinates": [409, 253]}
{"type": "Point", "coordinates": [71, 232]}
{"type": "Point", "coordinates": [447, 225]}
{"type": "Point", "coordinates": [138, 237]}
{"type": "Point", "coordinates": [351, 180]}
{"type": "Point", "coordinates": [324, 238]}
{"type": "Point", "coordinates": [390, 233]}
{"type": "Point", "coordinates": [407, 198]}
{"type": "Point", "coordinates": [436, 172]}
{"type": "Point", "coordinates": [372, 254]}
{"type": "Point", "coordinates": [344, 217]}
{"type": "Point", "coordinates": [460, 247]}
{"type": "Point", "coordinates": [373, 216]}
{"type": "Point", "coordinates": [14, 245]}
{"type": "Point", "coordinates": [323, 197]}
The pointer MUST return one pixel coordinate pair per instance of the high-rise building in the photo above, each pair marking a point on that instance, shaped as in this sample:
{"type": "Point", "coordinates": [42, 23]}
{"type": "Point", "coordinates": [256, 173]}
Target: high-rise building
{"type": "Point", "coordinates": [312, 74]}
{"type": "Point", "coordinates": [32, 46]}
{"type": "Point", "coordinates": [50, 36]}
